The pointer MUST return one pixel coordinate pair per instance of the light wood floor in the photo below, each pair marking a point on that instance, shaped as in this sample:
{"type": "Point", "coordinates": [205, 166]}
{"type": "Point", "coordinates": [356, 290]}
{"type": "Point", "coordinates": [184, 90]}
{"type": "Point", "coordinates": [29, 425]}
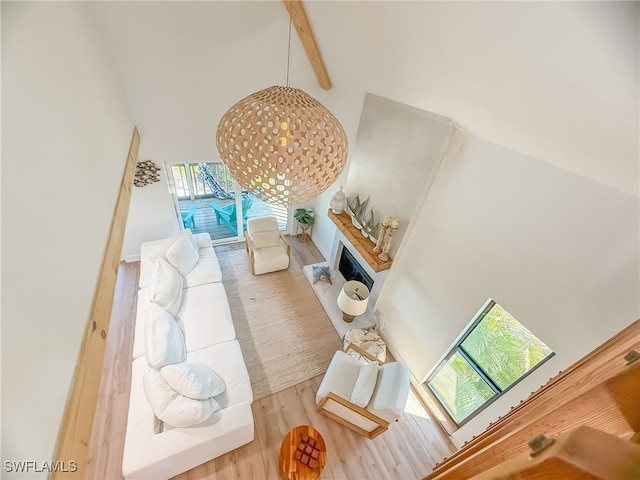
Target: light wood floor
{"type": "Point", "coordinates": [408, 450]}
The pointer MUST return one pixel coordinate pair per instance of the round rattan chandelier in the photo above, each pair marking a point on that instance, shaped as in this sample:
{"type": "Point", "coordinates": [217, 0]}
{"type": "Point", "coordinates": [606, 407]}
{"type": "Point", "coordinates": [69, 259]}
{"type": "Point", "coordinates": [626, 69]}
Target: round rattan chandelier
{"type": "Point", "coordinates": [282, 145]}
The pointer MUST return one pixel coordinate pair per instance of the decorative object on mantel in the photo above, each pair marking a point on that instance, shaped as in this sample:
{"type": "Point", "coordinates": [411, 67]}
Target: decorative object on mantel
{"type": "Point", "coordinates": [367, 225]}
{"type": "Point", "coordinates": [370, 227]}
{"type": "Point", "coordinates": [393, 226]}
{"type": "Point", "coordinates": [282, 145]}
{"type": "Point", "coordinates": [353, 299]}
{"type": "Point", "coordinates": [355, 238]}
{"type": "Point", "coordinates": [382, 233]}
{"type": "Point", "coordinates": [146, 174]}
{"type": "Point", "coordinates": [338, 201]}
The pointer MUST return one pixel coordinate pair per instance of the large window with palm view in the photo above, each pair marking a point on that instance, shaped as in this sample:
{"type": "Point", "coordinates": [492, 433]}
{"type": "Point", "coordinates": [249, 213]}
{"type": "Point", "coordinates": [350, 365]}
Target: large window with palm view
{"type": "Point", "coordinates": [493, 354]}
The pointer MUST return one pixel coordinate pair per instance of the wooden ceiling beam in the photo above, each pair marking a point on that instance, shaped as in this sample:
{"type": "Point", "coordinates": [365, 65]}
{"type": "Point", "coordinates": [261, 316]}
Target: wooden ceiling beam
{"type": "Point", "coordinates": [299, 18]}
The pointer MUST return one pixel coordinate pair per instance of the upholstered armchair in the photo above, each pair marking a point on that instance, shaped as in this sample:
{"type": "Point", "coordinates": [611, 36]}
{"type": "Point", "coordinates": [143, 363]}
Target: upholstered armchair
{"type": "Point", "coordinates": [364, 397]}
{"type": "Point", "coordinates": [268, 249]}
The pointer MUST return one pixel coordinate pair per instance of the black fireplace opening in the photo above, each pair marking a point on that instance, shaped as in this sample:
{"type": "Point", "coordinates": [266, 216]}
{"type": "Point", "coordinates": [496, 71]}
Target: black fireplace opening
{"type": "Point", "coordinates": [352, 270]}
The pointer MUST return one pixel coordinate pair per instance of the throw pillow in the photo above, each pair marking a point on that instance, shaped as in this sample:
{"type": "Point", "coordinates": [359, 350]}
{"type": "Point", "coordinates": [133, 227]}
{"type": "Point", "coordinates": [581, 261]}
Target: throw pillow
{"type": "Point", "coordinates": [322, 274]}
{"type": "Point", "coordinates": [365, 384]}
{"type": "Point", "coordinates": [160, 250]}
{"type": "Point", "coordinates": [183, 255]}
{"type": "Point", "coordinates": [173, 408]}
{"type": "Point", "coordinates": [166, 286]}
{"type": "Point", "coordinates": [163, 339]}
{"type": "Point", "coordinates": [193, 379]}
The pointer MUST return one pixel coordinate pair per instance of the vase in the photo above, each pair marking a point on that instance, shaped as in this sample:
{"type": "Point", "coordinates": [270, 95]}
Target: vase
{"type": "Point", "coordinates": [338, 202]}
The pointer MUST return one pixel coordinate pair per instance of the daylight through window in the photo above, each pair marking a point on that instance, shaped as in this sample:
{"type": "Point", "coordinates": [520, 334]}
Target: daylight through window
{"type": "Point", "coordinates": [495, 352]}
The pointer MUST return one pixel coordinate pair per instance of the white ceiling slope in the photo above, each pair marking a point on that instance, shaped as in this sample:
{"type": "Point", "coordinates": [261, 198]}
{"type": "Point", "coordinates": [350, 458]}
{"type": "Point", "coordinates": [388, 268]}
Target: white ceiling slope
{"type": "Point", "coordinates": [555, 80]}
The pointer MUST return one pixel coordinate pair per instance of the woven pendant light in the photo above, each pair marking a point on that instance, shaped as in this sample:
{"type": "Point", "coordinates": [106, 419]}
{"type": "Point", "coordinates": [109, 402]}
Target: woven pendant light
{"type": "Point", "coordinates": [282, 145]}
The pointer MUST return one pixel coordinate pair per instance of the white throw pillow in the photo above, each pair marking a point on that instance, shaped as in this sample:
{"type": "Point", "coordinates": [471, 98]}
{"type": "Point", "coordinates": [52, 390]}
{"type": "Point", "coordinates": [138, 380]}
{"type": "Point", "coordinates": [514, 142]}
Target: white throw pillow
{"type": "Point", "coordinates": [163, 339]}
{"type": "Point", "coordinates": [183, 255]}
{"type": "Point", "coordinates": [165, 288]}
{"type": "Point", "coordinates": [173, 408]}
{"type": "Point", "coordinates": [160, 250]}
{"type": "Point", "coordinates": [193, 379]}
{"type": "Point", "coordinates": [365, 384]}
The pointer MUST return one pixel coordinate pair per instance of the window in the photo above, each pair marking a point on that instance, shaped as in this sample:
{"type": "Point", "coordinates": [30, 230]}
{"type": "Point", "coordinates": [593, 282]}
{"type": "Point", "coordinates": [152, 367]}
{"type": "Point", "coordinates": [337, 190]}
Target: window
{"type": "Point", "coordinates": [493, 354]}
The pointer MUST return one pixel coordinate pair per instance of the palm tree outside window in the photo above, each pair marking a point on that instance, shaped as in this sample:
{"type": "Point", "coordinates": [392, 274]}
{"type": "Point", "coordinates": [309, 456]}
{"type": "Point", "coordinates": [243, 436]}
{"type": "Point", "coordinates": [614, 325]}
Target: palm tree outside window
{"type": "Point", "coordinates": [494, 353]}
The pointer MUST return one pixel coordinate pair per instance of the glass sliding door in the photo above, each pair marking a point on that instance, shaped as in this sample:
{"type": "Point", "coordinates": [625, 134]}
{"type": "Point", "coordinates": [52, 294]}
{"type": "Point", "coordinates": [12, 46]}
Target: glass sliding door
{"type": "Point", "coordinates": [211, 201]}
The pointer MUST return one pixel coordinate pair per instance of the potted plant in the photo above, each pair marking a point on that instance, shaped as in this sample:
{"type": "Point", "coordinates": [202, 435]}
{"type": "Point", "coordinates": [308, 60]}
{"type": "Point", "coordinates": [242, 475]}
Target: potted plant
{"type": "Point", "coordinates": [305, 220]}
{"type": "Point", "coordinates": [303, 215]}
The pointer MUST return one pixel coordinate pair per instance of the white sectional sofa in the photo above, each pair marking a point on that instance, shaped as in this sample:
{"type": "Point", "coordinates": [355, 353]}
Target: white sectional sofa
{"type": "Point", "coordinates": [155, 449]}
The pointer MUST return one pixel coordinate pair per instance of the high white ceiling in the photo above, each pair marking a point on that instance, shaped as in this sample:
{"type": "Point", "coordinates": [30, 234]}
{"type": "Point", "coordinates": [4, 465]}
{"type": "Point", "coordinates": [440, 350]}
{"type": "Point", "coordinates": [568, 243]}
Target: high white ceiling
{"type": "Point", "coordinates": [558, 81]}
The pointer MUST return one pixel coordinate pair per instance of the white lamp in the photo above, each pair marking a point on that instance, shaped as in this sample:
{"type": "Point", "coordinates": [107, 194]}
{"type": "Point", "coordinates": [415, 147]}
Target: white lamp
{"type": "Point", "coordinates": [353, 299]}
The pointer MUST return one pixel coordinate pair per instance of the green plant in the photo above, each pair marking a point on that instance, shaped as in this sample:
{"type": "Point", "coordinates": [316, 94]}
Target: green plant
{"type": "Point", "coordinates": [303, 215]}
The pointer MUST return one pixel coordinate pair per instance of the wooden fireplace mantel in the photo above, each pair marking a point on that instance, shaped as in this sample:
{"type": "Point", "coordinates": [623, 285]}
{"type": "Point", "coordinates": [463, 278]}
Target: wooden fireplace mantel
{"type": "Point", "coordinates": [364, 246]}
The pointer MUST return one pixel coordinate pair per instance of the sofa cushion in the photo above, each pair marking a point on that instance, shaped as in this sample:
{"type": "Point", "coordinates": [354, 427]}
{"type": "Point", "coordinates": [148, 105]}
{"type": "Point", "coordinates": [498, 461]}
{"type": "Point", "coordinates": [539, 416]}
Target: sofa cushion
{"type": "Point", "coordinates": [365, 384]}
{"type": "Point", "coordinates": [193, 379]}
{"type": "Point", "coordinates": [265, 239]}
{"type": "Point", "coordinates": [166, 287]}
{"type": "Point", "coordinates": [183, 255]}
{"type": "Point", "coordinates": [270, 259]}
{"type": "Point", "coordinates": [173, 408]}
{"type": "Point", "coordinates": [164, 341]}
{"type": "Point", "coordinates": [227, 361]}
{"type": "Point", "coordinates": [207, 270]}
{"type": "Point", "coordinates": [205, 316]}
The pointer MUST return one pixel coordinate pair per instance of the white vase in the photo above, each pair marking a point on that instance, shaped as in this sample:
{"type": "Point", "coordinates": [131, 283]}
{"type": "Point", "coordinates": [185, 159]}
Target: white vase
{"type": "Point", "coordinates": [338, 202]}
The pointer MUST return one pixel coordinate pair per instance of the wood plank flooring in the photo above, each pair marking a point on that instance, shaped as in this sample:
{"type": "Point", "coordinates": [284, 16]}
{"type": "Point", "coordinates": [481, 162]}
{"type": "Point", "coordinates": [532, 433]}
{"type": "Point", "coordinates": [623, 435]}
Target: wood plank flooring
{"type": "Point", "coordinates": [408, 450]}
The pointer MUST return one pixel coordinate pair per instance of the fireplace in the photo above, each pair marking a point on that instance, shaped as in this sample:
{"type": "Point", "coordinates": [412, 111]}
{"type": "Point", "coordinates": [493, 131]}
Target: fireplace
{"type": "Point", "coordinates": [350, 269]}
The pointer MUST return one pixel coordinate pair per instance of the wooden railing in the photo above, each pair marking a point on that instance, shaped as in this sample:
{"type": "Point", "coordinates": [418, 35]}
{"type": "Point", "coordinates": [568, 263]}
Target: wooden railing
{"type": "Point", "coordinates": [601, 391]}
{"type": "Point", "coordinates": [77, 421]}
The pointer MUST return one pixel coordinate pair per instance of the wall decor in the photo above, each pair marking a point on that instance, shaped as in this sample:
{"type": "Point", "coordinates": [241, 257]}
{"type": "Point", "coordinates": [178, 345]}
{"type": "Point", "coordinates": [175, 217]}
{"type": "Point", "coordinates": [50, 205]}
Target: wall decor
{"type": "Point", "coordinates": [146, 174]}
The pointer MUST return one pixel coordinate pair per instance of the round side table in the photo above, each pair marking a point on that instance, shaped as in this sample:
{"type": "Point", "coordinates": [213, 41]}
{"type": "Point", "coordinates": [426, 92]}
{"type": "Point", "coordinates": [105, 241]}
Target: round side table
{"type": "Point", "coordinates": [302, 454]}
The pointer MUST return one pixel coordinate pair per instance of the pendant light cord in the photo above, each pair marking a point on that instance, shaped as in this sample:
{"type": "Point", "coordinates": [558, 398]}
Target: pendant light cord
{"type": "Point", "coordinates": [289, 51]}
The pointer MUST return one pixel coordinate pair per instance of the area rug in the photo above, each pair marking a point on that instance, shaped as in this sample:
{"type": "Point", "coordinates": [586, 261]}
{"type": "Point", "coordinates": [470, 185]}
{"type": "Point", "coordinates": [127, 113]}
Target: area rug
{"type": "Point", "coordinates": [285, 335]}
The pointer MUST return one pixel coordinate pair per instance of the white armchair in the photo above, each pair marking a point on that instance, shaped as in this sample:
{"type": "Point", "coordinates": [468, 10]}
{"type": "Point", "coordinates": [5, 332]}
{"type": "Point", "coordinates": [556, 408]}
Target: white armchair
{"type": "Point", "coordinates": [268, 249]}
{"type": "Point", "coordinates": [336, 395]}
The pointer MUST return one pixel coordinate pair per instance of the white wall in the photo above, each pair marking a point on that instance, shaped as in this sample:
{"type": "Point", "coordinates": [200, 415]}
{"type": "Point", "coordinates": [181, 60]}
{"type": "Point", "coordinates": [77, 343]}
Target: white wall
{"type": "Point", "coordinates": [557, 250]}
{"type": "Point", "coordinates": [65, 136]}
{"type": "Point", "coordinates": [555, 80]}
{"type": "Point", "coordinates": [151, 214]}
{"type": "Point", "coordinates": [392, 135]}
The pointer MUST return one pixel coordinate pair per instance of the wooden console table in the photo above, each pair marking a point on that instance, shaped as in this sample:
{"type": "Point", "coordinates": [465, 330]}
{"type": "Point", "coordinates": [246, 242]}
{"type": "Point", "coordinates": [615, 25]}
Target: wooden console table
{"type": "Point", "coordinates": [364, 246]}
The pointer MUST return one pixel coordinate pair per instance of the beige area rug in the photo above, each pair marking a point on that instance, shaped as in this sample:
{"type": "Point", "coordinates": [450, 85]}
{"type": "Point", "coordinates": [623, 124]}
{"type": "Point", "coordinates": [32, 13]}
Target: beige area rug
{"type": "Point", "coordinates": [285, 335]}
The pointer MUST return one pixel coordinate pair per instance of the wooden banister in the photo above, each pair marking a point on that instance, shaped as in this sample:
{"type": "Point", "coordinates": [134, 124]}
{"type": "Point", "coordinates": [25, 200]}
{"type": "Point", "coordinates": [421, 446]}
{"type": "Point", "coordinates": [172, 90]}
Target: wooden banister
{"type": "Point", "coordinates": [77, 421]}
{"type": "Point", "coordinates": [599, 390]}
